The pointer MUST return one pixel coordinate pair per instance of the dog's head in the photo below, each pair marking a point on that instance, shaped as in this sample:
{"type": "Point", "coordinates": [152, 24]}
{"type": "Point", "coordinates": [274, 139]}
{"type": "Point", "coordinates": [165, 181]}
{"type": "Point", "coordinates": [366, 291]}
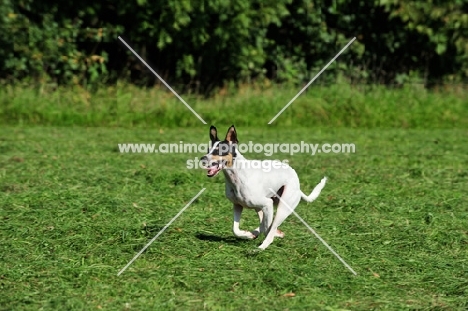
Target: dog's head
{"type": "Point", "coordinates": [221, 153]}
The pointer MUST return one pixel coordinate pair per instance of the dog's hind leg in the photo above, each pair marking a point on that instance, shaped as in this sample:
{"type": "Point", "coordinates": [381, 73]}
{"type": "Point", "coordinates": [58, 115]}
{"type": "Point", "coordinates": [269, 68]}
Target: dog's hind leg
{"type": "Point", "coordinates": [267, 219]}
{"type": "Point", "coordinates": [235, 227]}
{"type": "Point", "coordinates": [289, 200]}
{"type": "Point", "coordinates": [279, 233]}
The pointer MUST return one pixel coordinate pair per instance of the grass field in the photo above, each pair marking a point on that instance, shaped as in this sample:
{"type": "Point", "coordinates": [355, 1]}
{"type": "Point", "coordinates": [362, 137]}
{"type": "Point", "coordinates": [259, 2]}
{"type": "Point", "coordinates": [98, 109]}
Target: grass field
{"type": "Point", "coordinates": [341, 105]}
{"type": "Point", "coordinates": [74, 211]}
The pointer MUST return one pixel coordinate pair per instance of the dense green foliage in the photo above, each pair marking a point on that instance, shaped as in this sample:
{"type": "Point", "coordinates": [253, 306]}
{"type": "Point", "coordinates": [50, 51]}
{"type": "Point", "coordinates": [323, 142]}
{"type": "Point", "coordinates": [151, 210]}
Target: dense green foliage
{"type": "Point", "coordinates": [202, 44]}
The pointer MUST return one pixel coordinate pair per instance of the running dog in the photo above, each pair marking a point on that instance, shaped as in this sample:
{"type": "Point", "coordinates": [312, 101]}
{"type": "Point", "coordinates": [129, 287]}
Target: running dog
{"type": "Point", "coordinates": [250, 185]}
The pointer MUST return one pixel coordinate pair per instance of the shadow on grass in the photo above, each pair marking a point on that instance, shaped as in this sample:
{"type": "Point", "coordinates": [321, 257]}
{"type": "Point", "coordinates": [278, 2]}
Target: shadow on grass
{"type": "Point", "coordinates": [215, 238]}
{"type": "Point", "coordinates": [229, 240]}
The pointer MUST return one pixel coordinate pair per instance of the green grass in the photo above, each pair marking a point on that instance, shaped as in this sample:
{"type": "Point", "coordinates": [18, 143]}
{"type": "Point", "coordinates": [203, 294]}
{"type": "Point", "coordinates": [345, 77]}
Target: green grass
{"type": "Point", "coordinates": [321, 106]}
{"type": "Point", "coordinates": [74, 211]}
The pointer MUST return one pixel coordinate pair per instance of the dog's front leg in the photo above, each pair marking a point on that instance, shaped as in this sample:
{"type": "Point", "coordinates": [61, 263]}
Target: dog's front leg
{"type": "Point", "coordinates": [235, 228]}
{"type": "Point", "coordinates": [256, 232]}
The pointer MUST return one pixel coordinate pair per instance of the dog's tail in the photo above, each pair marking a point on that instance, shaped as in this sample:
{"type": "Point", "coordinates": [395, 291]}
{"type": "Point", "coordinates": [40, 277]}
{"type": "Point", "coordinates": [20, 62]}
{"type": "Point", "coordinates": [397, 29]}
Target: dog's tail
{"type": "Point", "coordinates": [316, 192]}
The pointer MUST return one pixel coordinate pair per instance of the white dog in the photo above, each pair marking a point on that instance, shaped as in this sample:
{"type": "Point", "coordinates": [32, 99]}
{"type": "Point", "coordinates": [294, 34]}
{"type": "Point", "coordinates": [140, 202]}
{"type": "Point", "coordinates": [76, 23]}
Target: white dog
{"type": "Point", "coordinates": [248, 184]}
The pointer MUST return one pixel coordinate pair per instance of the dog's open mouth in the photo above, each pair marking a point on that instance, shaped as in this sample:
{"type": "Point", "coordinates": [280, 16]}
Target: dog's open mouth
{"type": "Point", "coordinates": [214, 169]}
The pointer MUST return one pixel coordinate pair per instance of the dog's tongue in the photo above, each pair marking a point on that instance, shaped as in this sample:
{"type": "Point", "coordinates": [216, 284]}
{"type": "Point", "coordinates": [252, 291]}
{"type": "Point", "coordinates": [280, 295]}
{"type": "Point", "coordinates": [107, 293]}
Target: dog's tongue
{"type": "Point", "coordinates": [212, 170]}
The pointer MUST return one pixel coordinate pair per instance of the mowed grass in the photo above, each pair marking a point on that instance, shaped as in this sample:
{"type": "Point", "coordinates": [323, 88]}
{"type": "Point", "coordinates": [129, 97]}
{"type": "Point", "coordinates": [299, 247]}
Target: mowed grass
{"type": "Point", "coordinates": [74, 211]}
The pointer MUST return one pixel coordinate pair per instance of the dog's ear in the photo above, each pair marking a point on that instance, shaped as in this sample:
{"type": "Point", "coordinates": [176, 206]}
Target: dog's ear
{"type": "Point", "coordinates": [213, 135]}
{"type": "Point", "coordinates": [231, 135]}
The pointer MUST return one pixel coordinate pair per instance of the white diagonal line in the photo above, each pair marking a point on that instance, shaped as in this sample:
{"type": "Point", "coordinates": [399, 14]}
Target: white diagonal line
{"type": "Point", "coordinates": [315, 233]}
{"type": "Point", "coordinates": [160, 232]}
{"type": "Point", "coordinates": [164, 82]}
{"type": "Point", "coordinates": [311, 81]}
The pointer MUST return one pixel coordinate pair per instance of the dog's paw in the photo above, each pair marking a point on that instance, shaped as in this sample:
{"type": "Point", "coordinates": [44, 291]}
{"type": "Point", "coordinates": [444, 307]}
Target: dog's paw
{"type": "Point", "coordinates": [252, 236]}
{"type": "Point", "coordinates": [256, 233]}
{"type": "Point", "coordinates": [247, 235]}
{"type": "Point", "coordinates": [279, 233]}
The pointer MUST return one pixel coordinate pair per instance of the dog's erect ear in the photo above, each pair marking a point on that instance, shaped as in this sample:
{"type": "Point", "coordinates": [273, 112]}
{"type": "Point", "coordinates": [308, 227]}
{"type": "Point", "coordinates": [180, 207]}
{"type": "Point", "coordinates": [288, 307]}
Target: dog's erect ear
{"type": "Point", "coordinates": [231, 135]}
{"type": "Point", "coordinates": [213, 135]}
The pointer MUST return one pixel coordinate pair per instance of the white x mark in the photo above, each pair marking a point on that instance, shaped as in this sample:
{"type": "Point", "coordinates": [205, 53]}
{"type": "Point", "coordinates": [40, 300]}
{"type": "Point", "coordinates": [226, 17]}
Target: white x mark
{"type": "Point", "coordinates": [311, 81]}
{"type": "Point", "coordinates": [164, 82]}
{"type": "Point", "coordinates": [313, 232]}
{"type": "Point", "coordinates": [160, 232]}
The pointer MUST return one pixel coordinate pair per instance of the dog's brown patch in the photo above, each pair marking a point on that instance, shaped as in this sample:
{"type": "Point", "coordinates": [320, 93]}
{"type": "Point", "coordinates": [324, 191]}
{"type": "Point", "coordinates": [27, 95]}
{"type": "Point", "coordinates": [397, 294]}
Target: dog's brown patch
{"type": "Point", "coordinates": [228, 158]}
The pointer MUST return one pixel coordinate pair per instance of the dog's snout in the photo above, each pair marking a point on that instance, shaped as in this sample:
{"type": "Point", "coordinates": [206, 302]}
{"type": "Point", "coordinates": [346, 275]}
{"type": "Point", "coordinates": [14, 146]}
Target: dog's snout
{"type": "Point", "coordinates": [204, 161]}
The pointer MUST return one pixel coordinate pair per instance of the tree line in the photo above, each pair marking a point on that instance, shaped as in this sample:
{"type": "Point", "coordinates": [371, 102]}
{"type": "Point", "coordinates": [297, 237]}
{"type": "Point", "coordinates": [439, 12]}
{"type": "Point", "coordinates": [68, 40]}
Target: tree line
{"type": "Point", "coordinates": [202, 44]}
